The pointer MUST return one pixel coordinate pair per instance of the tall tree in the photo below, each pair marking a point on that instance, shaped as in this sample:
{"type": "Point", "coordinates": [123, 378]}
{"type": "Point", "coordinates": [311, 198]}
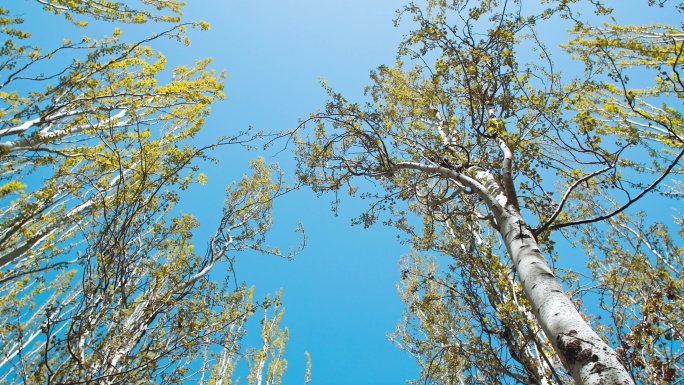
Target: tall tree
{"type": "Point", "coordinates": [147, 311]}
{"type": "Point", "coordinates": [99, 280]}
{"type": "Point", "coordinates": [479, 144]}
{"type": "Point", "coordinates": [91, 127]}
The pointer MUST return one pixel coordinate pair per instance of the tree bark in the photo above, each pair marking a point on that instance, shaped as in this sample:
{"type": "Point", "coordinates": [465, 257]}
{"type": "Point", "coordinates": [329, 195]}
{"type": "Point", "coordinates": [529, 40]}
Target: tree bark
{"type": "Point", "coordinates": [588, 359]}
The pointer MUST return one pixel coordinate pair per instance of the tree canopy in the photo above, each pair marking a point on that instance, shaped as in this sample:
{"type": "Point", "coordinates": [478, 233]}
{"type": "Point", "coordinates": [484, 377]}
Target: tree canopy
{"type": "Point", "coordinates": [480, 146]}
{"type": "Point", "coordinates": [100, 279]}
{"type": "Point", "coordinates": [529, 174]}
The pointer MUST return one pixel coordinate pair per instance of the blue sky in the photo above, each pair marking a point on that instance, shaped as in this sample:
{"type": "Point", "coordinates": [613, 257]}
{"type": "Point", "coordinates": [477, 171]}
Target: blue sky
{"type": "Point", "coordinates": [340, 293]}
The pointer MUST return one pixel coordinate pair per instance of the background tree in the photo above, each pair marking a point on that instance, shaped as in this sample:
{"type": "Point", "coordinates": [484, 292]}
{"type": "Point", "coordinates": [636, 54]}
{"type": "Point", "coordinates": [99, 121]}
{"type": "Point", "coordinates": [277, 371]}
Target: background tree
{"type": "Point", "coordinates": [99, 277]}
{"type": "Point", "coordinates": [479, 144]}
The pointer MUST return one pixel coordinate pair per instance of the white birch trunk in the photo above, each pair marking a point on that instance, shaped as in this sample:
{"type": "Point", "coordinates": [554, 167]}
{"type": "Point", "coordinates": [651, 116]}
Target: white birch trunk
{"type": "Point", "coordinates": [138, 323]}
{"type": "Point", "coordinates": [45, 135]}
{"type": "Point", "coordinates": [589, 360]}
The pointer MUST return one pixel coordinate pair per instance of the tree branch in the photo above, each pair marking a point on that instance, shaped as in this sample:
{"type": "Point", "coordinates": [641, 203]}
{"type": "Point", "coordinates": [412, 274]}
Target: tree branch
{"type": "Point", "coordinates": [507, 174]}
{"type": "Point", "coordinates": [625, 206]}
{"type": "Point", "coordinates": [564, 199]}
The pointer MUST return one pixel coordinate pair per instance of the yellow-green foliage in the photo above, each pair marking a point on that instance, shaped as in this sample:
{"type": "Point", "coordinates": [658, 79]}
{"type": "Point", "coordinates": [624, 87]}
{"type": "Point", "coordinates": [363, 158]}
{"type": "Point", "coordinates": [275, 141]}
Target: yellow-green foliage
{"type": "Point", "coordinates": [97, 279]}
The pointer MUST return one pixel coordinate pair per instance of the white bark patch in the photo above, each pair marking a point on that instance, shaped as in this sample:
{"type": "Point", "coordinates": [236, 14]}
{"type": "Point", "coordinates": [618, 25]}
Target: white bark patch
{"type": "Point", "coordinates": [492, 186]}
{"type": "Point", "coordinates": [588, 359]}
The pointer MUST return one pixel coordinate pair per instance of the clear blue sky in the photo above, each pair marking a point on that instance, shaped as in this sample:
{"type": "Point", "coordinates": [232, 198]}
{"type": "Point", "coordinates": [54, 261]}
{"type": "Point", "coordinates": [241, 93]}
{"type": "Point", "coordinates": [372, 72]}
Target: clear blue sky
{"type": "Point", "coordinates": [340, 293]}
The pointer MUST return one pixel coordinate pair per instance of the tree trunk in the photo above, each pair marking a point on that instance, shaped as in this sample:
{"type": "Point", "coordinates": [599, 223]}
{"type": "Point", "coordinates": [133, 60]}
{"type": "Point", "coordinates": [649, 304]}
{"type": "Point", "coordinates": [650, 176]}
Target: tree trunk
{"type": "Point", "coordinates": [588, 359]}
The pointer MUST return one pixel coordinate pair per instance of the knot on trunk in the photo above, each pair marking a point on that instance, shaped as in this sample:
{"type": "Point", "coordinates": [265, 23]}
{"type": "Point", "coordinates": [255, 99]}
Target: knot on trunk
{"type": "Point", "coordinates": [575, 349]}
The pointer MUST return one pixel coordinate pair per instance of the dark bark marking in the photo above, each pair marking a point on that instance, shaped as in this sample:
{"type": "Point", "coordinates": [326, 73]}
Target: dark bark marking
{"type": "Point", "coordinates": [597, 367]}
{"type": "Point", "coordinates": [571, 348]}
{"type": "Point", "coordinates": [523, 225]}
{"type": "Point", "coordinates": [587, 355]}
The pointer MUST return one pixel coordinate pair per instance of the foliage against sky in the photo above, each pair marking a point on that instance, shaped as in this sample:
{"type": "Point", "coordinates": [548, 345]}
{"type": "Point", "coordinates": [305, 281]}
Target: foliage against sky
{"type": "Point", "coordinates": [478, 286]}
{"type": "Point", "coordinates": [470, 133]}
{"type": "Point", "coordinates": [100, 279]}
